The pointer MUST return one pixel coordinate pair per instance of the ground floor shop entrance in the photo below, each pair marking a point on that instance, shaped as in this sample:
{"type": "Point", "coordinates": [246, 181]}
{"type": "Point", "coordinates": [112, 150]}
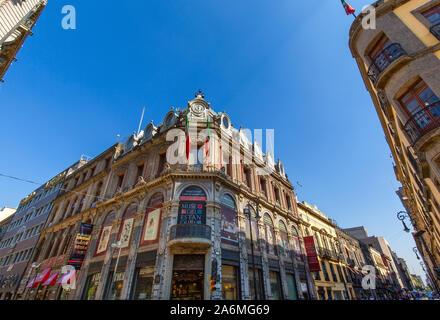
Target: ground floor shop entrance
{"type": "Point", "coordinates": [187, 281]}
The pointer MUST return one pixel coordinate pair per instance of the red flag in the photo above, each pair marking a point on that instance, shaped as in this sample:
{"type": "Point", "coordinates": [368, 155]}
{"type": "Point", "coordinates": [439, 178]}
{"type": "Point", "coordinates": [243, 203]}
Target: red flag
{"type": "Point", "coordinates": [348, 9]}
{"type": "Point", "coordinates": [188, 141]}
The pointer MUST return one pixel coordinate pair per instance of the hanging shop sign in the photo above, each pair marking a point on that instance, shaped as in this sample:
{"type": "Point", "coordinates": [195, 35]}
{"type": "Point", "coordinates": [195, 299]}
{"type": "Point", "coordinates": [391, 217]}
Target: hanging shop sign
{"type": "Point", "coordinates": [312, 256]}
{"type": "Point", "coordinates": [80, 246]}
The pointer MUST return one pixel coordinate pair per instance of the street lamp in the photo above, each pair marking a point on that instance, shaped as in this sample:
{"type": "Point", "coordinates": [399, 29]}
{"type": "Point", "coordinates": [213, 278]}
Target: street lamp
{"type": "Point", "coordinates": [247, 211]}
{"type": "Point", "coordinates": [416, 252]}
{"type": "Point", "coordinates": [116, 245]}
{"type": "Point", "coordinates": [402, 215]}
{"type": "Point", "coordinates": [423, 266]}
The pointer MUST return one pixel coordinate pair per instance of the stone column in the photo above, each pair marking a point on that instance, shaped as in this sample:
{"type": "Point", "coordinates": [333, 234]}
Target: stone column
{"type": "Point", "coordinates": [108, 258]}
{"type": "Point", "coordinates": [216, 252]}
{"type": "Point", "coordinates": [280, 252]}
{"type": "Point", "coordinates": [264, 261]}
{"type": "Point", "coordinates": [81, 280]}
{"type": "Point", "coordinates": [162, 272]}
{"type": "Point", "coordinates": [244, 266]}
{"type": "Point", "coordinates": [132, 255]}
{"type": "Point", "coordinates": [46, 246]}
{"type": "Point", "coordinates": [295, 267]}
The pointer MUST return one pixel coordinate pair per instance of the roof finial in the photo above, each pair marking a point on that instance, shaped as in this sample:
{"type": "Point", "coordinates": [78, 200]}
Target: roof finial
{"type": "Point", "coordinates": [200, 94]}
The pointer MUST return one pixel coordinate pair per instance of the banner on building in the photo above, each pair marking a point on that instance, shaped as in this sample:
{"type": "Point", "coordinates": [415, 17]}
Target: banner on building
{"type": "Point", "coordinates": [126, 232]}
{"type": "Point", "coordinates": [312, 256]}
{"type": "Point", "coordinates": [152, 225]}
{"type": "Point", "coordinates": [81, 245]}
{"type": "Point", "coordinates": [104, 239]}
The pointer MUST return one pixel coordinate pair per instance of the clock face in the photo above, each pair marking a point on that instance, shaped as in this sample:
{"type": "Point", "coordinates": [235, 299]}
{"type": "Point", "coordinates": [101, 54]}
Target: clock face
{"type": "Point", "coordinates": [226, 122]}
{"type": "Point", "coordinates": [197, 109]}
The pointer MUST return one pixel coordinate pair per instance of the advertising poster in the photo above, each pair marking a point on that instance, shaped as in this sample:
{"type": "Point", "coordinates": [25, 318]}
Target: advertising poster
{"type": "Point", "coordinates": [126, 232]}
{"type": "Point", "coordinates": [103, 241]}
{"type": "Point", "coordinates": [152, 225]}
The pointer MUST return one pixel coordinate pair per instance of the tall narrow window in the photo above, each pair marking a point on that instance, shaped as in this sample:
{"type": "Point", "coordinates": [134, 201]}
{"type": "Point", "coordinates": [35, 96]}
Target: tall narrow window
{"type": "Point", "coordinates": [140, 171]}
{"type": "Point", "coordinates": [384, 53]}
{"type": "Point", "coordinates": [161, 164]}
{"type": "Point", "coordinates": [263, 186]}
{"type": "Point", "coordinates": [119, 184]}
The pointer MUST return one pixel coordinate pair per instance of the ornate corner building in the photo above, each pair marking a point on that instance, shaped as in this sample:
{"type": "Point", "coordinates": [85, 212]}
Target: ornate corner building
{"type": "Point", "coordinates": [17, 18]}
{"type": "Point", "coordinates": [136, 226]}
{"type": "Point", "coordinates": [399, 63]}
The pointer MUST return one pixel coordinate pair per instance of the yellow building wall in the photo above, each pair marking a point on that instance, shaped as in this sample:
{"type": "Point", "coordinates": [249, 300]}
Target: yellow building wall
{"type": "Point", "coordinates": [419, 29]}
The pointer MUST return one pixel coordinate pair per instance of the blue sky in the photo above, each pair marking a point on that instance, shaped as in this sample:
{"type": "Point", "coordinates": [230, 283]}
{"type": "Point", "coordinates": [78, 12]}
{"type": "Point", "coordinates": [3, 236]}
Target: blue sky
{"type": "Point", "coordinates": [270, 64]}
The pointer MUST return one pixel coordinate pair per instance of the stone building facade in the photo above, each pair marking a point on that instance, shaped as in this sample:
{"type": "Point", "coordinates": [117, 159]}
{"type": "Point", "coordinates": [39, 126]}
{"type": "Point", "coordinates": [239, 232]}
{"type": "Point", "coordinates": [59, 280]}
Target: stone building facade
{"type": "Point", "coordinates": [399, 63]}
{"type": "Point", "coordinates": [339, 256]}
{"type": "Point", "coordinates": [166, 230]}
{"type": "Point", "coordinates": [22, 234]}
{"type": "Point", "coordinates": [17, 18]}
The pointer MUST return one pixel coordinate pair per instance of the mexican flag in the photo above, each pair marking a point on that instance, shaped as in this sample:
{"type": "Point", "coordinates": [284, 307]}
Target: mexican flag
{"type": "Point", "coordinates": [208, 137]}
{"type": "Point", "coordinates": [348, 9]}
{"type": "Point", "coordinates": [188, 141]}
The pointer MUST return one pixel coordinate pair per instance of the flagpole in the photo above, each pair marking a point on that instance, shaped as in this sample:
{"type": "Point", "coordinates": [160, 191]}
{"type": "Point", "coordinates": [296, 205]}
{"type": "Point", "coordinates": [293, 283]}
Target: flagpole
{"type": "Point", "coordinates": [354, 15]}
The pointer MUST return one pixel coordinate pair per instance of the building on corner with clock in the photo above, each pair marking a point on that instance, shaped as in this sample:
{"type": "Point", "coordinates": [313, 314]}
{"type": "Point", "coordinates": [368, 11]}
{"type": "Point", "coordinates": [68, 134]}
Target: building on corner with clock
{"type": "Point", "coordinates": [219, 223]}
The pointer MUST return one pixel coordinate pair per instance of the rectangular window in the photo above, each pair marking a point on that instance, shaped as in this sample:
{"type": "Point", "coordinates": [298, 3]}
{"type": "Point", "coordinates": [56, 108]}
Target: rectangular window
{"type": "Point", "coordinates": [144, 284]}
{"type": "Point", "coordinates": [291, 287]}
{"type": "Point", "coordinates": [256, 285]}
{"type": "Point", "coordinates": [275, 285]}
{"type": "Point", "coordinates": [140, 171]}
{"type": "Point", "coordinates": [161, 164]}
{"type": "Point", "coordinates": [120, 180]}
{"type": "Point", "coordinates": [230, 283]}
{"type": "Point", "coordinates": [421, 103]}
{"type": "Point", "coordinates": [433, 14]}
{"type": "Point", "coordinates": [263, 186]}
{"type": "Point", "coordinates": [324, 271]}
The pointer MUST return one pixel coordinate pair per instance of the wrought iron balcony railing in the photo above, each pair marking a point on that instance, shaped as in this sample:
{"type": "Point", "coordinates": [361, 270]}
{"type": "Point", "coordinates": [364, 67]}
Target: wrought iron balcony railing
{"type": "Point", "coordinates": [435, 30]}
{"type": "Point", "coordinates": [423, 121]}
{"type": "Point", "coordinates": [384, 59]}
{"type": "Point", "coordinates": [183, 231]}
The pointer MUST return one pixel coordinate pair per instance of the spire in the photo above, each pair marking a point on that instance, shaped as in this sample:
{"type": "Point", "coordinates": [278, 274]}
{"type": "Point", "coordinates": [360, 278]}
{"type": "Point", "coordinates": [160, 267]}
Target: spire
{"type": "Point", "coordinates": [200, 94]}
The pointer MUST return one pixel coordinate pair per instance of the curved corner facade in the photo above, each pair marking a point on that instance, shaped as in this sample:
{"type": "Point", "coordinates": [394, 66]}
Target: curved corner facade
{"type": "Point", "coordinates": [400, 64]}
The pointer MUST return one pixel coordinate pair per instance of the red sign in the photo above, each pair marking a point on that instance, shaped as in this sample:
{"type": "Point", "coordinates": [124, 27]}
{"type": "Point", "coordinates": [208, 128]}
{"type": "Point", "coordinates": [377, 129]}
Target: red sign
{"type": "Point", "coordinates": [312, 257]}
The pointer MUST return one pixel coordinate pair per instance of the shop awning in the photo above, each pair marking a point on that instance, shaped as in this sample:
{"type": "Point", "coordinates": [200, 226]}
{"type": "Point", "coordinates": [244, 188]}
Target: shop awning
{"type": "Point", "coordinates": [31, 283]}
{"type": "Point", "coordinates": [65, 278]}
{"type": "Point", "coordinates": [42, 277]}
{"type": "Point", "coordinates": [51, 280]}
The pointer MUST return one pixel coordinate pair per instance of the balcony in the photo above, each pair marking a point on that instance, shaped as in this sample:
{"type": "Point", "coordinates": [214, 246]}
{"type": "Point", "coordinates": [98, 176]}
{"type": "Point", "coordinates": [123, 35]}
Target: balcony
{"type": "Point", "coordinates": [423, 122]}
{"type": "Point", "coordinates": [196, 235]}
{"type": "Point", "coordinates": [387, 61]}
{"type": "Point", "coordinates": [435, 30]}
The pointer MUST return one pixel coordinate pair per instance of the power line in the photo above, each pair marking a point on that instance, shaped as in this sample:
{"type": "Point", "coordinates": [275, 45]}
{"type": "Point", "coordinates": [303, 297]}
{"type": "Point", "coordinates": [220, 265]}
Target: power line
{"type": "Point", "coordinates": [74, 192]}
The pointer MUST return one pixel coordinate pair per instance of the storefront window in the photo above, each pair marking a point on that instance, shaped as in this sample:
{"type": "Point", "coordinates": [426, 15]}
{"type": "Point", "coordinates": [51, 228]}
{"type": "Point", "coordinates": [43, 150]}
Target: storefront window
{"type": "Point", "coordinates": [291, 287]}
{"type": "Point", "coordinates": [144, 284]}
{"type": "Point", "coordinates": [275, 285]}
{"type": "Point", "coordinates": [256, 285]}
{"type": "Point", "coordinates": [115, 286]}
{"type": "Point", "coordinates": [229, 283]}
{"type": "Point", "coordinates": [91, 286]}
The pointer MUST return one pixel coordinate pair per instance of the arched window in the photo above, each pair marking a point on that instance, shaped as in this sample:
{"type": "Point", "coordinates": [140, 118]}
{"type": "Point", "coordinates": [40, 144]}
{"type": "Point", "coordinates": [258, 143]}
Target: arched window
{"type": "Point", "coordinates": [152, 220]}
{"type": "Point", "coordinates": [229, 231]}
{"type": "Point", "coordinates": [192, 206]}
{"type": "Point", "coordinates": [127, 226]}
{"type": "Point", "coordinates": [106, 230]}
